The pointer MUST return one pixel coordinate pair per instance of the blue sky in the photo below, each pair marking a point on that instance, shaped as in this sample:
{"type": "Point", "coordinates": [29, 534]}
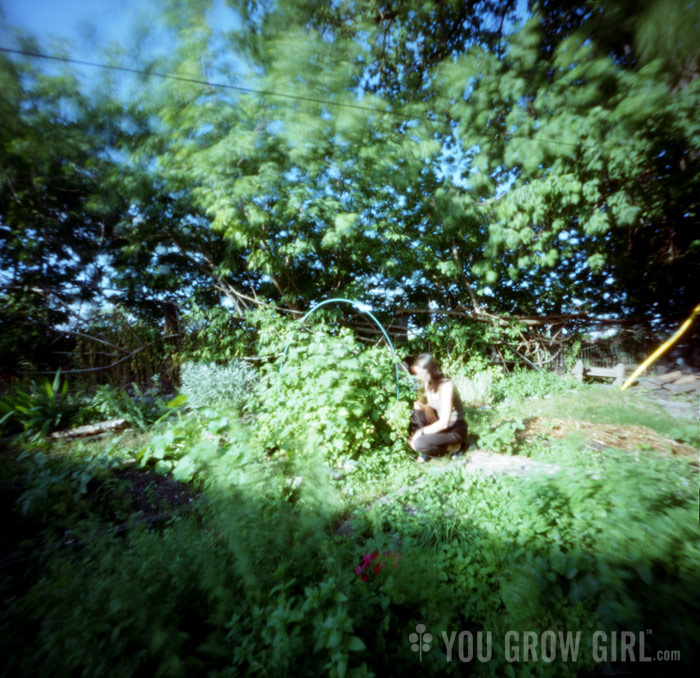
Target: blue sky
{"type": "Point", "coordinates": [85, 28]}
{"type": "Point", "coordinates": [86, 24]}
{"type": "Point", "coordinates": [127, 32]}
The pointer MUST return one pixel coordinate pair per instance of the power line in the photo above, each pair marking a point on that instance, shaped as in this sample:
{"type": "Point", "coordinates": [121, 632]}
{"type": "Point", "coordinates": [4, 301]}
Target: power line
{"type": "Point", "coordinates": [221, 85]}
{"type": "Point", "coordinates": [294, 97]}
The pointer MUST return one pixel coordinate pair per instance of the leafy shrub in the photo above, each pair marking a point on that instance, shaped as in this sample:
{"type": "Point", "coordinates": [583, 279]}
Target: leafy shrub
{"type": "Point", "coordinates": [193, 445]}
{"type": "Point", "coordinates": [210, 385]}
{"type": "Point", "coordinates": [502, 436]}
{"type": "Point", "coordinates": [523, 384]}
{"type": "Point", "coordinates": [220, 334]}
{"type": "Point", "coordinates": [55, 489]}
{"type": "Point", "coordinates": [335, 395]}
{"type": "Point", "coordinates": [459, 345]}
{"type": "Point", "coordinates": [139, 408]}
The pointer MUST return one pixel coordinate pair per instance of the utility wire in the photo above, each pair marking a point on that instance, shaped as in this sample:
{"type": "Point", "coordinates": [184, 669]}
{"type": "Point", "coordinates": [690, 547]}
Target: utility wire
{"type": "Point", "coordinates": [294, 97]}
{"type": "Point", "coordinates": [221, 85]}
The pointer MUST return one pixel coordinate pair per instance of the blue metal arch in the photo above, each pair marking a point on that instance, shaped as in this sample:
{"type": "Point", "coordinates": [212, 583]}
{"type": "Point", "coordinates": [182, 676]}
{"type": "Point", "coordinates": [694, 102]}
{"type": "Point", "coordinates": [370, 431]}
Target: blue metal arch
{"type": "Point", "coordinates": [358, 307]}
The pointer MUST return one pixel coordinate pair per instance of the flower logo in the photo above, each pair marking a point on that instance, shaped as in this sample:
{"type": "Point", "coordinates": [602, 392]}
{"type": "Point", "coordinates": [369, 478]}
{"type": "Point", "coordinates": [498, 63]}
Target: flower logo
{"type": "Point", "coordinates": [420, 641]}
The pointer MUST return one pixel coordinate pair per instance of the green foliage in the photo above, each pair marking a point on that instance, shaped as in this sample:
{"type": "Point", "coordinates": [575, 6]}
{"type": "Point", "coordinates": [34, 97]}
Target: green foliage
{"type": "Point", "coordinates": [139, 408]}
{"type": "Point", "coordinates": [231, 387]}
{"type": "Point", "coordinates": [215, 335]}
{"type": "Point", "coordinates": [605, 543]}
{"type": "Point", "coordinates": [54, 229]}
{"type": "Point", "coordinates": [37, 409]}
{"type": "Point", "coordinates": [193, 444]}
{"type": "Point", "coordinates": [501, 437]}
{"type": "Point", "coordinates": [576, 215]}
{"type": "Point", "coordinates": [523, 384]}
{"type": "Point", "coordinates": [333, 394]}
{"type": "Point", "coordinates": [55, 492]}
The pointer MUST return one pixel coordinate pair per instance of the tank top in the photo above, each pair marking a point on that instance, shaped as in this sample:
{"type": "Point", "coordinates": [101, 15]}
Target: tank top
{"type": "Point", "coordinates": [457, 411]}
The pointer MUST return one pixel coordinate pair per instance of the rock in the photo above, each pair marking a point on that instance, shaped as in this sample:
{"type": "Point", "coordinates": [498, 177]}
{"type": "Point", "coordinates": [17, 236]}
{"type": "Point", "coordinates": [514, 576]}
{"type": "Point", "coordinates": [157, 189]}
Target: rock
{"type": "Point", "coordinates": [668, 377]}
{"type": "Point", "coordinates": [675, 388]}
{"type": "Point", "coordinates": [687, 379]}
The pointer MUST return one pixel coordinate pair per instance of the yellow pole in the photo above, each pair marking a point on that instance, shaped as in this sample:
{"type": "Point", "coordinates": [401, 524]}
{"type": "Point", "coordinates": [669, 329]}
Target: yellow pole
{"type": "Point", "coordinates": [662, 348]}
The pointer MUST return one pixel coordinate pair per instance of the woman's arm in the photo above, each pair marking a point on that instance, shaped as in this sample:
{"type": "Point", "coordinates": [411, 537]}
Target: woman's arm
{"type": "Point", "coordinates": [445, 391]}
{"type": "Point", "coordinates": [430, 413]}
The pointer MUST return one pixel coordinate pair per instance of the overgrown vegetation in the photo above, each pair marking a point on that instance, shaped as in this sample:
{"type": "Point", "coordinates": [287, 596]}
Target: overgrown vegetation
{"type": "Point", "coordinates": [314, 544]}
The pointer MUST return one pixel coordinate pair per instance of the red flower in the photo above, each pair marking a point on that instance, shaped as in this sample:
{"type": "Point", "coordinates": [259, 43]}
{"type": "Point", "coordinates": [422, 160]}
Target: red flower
{"type": "Point", "coordinates": [362, 570]}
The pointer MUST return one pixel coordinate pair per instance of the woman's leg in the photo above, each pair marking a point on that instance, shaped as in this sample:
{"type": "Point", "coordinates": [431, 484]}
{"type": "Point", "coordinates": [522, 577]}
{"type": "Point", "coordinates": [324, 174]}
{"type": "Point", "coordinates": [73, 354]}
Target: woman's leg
{"type": "Point", "coordinates": [417, 420]}
{"type": "Point", "coordinates": [432, 443]}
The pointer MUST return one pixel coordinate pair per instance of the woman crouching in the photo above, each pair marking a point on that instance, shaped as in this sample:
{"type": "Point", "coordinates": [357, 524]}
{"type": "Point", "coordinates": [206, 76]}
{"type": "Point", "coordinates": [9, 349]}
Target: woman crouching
{"type": "Point", "coordinates": [437, 426]}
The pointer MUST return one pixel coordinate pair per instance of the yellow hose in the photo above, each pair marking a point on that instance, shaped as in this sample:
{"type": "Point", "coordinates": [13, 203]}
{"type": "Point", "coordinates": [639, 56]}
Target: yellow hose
{"type": "Point", "coordinates": [662, 348]}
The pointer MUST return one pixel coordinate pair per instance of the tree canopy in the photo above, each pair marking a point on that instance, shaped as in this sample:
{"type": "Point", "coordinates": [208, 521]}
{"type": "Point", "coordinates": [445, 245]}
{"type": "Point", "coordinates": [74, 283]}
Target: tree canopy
{"type": "Point", "coordinates": [446, 155]}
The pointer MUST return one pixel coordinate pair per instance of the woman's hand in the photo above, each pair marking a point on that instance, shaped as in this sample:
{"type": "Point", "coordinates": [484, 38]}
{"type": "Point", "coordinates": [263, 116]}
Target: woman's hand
{"type": "Point", "coordinates": [435, 423]}
{"type": "Point", "coordinates": [412, 439]}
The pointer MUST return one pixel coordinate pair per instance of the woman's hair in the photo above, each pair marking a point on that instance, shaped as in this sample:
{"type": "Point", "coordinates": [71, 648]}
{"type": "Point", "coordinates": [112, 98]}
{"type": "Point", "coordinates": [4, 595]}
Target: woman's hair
{"type": "Point", "coordinates": [427, 362]}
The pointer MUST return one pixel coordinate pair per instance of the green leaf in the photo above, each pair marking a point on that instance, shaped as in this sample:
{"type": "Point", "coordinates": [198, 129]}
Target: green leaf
{"type": "Point", "coordinates": [356, 644]}
{"type": "Point", "coordinates": [177, 401]}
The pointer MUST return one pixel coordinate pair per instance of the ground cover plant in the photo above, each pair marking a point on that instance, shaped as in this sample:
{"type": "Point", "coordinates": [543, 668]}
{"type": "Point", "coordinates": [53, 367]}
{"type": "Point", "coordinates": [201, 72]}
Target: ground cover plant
{"type": "Point", "coordinates": [313, 558]}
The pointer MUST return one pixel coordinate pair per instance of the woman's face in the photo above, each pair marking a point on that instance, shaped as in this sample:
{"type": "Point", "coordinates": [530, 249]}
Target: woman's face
{"type": "Point", "coordinates": [421, 373]}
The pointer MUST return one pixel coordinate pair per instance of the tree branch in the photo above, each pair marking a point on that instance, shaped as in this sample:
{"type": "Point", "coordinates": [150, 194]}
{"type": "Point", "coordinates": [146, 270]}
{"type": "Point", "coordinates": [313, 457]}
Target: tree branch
{"type": "Point", "coordinates": [87, 336]}
{"type": "Point", "coordinates": [117, 362]}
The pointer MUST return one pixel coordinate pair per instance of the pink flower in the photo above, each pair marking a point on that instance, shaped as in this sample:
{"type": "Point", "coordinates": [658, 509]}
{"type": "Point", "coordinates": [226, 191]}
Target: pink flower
{"type": "Point", "coordinates": [363, 569]}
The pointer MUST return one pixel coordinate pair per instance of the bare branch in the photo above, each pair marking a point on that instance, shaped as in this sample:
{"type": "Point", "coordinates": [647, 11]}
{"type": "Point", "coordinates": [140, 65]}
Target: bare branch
{"type": "Point", "coordinates": [470, 290]}
{"type": "Point", "coordinates": [522, 357]}
{"type": "Point", "coordinates": [117, 362]}
{"type": "Point", "coordinates": [91, 338]}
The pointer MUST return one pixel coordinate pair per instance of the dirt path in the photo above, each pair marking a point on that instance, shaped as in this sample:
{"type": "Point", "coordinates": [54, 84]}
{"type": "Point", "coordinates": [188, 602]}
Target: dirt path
{"type": "Point", "coordinates": [492, 463]}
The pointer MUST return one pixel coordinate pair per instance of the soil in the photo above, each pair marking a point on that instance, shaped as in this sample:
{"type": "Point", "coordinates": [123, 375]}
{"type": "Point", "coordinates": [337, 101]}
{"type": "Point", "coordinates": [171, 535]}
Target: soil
{"type": "Point", "coordinates": [153, 494]}
{"type": "Point", "coordinates": [142, 497]}
{"type": "Point", "coordinates": [600, 436]}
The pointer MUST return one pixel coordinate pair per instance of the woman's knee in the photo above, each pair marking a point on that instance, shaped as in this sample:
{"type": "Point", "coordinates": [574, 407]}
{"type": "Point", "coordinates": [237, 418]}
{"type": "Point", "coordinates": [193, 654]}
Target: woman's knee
{"type": "Point", "coordinates": [422, 444]}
